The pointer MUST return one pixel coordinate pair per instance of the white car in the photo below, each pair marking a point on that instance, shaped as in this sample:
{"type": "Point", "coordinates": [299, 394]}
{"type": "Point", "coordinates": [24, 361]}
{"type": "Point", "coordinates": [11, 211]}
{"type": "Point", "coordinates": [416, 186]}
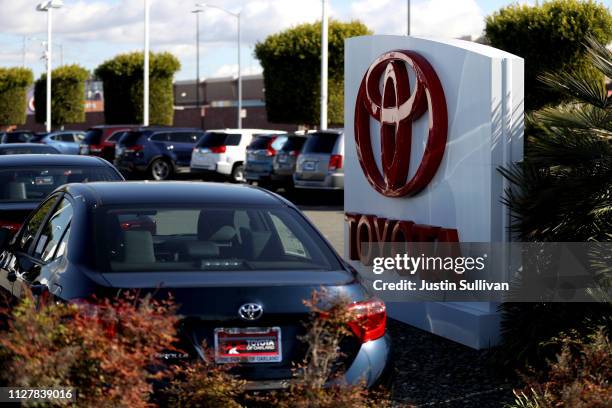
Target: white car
{"type": "Point", "coordinates": [223, 152]}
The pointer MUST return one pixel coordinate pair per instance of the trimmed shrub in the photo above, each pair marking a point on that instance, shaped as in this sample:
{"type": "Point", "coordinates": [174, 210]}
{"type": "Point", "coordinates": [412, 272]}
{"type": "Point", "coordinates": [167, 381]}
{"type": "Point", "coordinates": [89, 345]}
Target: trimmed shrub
{"type": "Point", "coordinates": [14, 83]}
{"type": "Point", "coordinates": [291, 61]}
{"type": "Point", "coordinates": [123, 88]}
{"type": "Point", "coordinates": [67, 95]}
{"type": "Point", "coordinates": [550, 37]}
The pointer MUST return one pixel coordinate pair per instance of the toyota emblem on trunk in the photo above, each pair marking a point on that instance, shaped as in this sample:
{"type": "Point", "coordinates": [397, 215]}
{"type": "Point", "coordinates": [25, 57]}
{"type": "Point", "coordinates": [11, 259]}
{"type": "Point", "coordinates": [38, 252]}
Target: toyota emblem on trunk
{"type": "Point", "coordinates": [250, 311]}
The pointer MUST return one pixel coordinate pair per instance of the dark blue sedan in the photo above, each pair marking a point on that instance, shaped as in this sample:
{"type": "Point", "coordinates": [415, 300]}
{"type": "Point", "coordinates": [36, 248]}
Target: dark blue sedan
{"type": "Point", "coordinates": [238, 260]}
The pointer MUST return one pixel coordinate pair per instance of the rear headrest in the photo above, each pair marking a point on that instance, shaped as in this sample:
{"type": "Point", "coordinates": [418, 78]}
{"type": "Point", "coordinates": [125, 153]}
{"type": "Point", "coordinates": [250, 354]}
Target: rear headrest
{"type": "Point", "coordinates": [201, 249]}
{"type": "Point", "coordinates": [17, 191]}
{"type": "Point", "coordinates": [139, 247]}
{"type": "Point", "coordinates": [216, 225]}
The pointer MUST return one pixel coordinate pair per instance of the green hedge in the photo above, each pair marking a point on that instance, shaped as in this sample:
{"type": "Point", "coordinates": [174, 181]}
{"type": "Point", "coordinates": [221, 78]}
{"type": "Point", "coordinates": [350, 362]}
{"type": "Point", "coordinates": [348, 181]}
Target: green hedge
{"type": "Point", "coordinates": [67, 95]}
{"type": "Point", "coordinates": [550, 37]}
{"type": "Point", "coordinates": [123, 88]}
{"type": "Point", "coordinates": [14, 83]}
{"type": "Point", "coordinates": [291, 61]}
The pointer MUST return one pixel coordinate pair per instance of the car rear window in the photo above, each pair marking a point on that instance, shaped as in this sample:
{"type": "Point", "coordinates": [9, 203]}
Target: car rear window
{"type": "Point", "coordinates": [93, 136]}
{"type": "Point", "coordinates": [293, 143]}
{"type": "Point", "coordinates": [35, 183]}
{"type": "Point", "coordinates": [259, 142]}
{"type": "Point", "coordinates": [116, 136]}
{"type": "Point", "coordinates": [320, 143]}
{"type": "Point", "coordinates": [231, 238]}
{"type": "Point", "coordinates": [130, 138]}
{"type": "Point", "coordinates": [214, 139]}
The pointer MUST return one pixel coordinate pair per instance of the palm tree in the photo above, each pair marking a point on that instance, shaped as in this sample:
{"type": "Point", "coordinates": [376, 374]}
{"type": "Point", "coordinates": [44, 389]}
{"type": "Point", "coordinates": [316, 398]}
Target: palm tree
{"type": "Point", "coordinates": [562, 192]}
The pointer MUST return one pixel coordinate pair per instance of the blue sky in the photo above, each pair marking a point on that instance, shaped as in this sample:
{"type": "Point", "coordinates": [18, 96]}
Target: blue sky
{"type": "Point", "coordinates": [91, 31]}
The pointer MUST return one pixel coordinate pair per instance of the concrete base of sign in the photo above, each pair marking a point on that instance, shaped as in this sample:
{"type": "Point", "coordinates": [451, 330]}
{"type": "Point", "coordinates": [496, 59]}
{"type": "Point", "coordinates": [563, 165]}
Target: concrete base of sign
{"type": "Point", "coordinates": [471, 324]}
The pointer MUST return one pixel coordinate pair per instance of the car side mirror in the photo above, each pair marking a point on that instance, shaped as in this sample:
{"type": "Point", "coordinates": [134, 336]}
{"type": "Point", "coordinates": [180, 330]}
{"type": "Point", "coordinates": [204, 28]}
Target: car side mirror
{"type": "Point", "coordinates": [5, 237]}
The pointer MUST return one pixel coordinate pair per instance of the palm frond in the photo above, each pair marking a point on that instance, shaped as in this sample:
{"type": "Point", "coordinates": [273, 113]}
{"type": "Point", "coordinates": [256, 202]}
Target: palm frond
{"type": "Point", "coordinates": [576, 116]}
{"type": "Point", "coordinates": [601, 57]}
{"type": "Point", "coordinates": [584, 88]}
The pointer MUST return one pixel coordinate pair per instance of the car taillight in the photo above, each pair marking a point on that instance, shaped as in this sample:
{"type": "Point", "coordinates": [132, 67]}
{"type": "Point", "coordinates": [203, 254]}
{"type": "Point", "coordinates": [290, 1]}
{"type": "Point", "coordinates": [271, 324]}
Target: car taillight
{"type": "Point", "coordinates": [370, 319]}
{"type": "Point", "coordinates": [294, 153]}
{"type": "Point", "coordinates": [270, 151]}
{"type": "Point", "coordinates": [335, 162]}
{"type": "Point", "coordinates": [10, 225]}
{"type": "Point", "coordinates": [218, 149]}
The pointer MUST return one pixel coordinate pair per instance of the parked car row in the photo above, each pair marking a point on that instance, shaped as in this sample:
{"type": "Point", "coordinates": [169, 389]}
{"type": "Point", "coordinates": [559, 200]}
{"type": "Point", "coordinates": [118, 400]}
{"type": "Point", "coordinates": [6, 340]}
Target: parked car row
{"type": "Point", "coordinates": [313, 160]}
{"type": "Point", "coordinates": [239, 260]}
{"type": "Point", "coordinates": [272, 158]}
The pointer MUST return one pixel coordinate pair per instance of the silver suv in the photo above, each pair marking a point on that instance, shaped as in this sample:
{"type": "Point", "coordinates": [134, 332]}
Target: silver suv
{"type": "Point", "coordinates": [320, 165]}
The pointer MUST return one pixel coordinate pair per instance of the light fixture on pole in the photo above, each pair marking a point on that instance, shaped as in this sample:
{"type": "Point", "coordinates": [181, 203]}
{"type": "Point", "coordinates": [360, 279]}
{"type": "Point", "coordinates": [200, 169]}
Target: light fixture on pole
{"type": "Point", "coordinates": [197, 12]}
{"type": "Point", "coordinates": [237, 16]}
{"type": "Point", "coordinates": [145, 102]}
{"type": "Point", "coordinates": [48, 7]}
{"type": "Point", "coordinates": [324, 58]}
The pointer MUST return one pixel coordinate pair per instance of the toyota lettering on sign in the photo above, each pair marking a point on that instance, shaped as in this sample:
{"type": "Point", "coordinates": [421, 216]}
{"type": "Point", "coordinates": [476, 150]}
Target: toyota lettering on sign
{"type": "Point", "coordinates": [427, 124]}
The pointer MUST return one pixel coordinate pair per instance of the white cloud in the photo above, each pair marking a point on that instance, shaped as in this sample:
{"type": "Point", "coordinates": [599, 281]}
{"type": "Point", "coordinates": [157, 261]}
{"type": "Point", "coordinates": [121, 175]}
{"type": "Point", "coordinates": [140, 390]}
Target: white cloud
{"type": "Point", "coordinates": [94, 30]}
{"type": "Point", "coordinates": [437, 18]}
{"type": "Point", "coordinates": [231, 70]}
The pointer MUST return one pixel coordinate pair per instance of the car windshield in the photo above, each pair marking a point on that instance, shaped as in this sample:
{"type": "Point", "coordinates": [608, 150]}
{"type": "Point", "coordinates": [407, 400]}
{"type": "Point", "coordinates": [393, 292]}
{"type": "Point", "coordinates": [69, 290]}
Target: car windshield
{"type": "Point", "coordinates": [35, 183]}
{"type": "Point", "coordinates": [320, 143]}
{"type": "Point", "coordinates": [150, 238]}
{"type": "Point", "coordinates": [42, 149]}
{"type": "Point", "coordinates": [214, 139]}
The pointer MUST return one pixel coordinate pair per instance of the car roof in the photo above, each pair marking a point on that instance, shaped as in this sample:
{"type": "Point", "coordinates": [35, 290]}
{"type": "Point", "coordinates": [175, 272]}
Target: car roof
{"type": "Point", "coordinates": [173, 193]}
{"type": "Point", "coordinates": [23, 160]}
{"type": "Point", "coordinates": [14, 145]}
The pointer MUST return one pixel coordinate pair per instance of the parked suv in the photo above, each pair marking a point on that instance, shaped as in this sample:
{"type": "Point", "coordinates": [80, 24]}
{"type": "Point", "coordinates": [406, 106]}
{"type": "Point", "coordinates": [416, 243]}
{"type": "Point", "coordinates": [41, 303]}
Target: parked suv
{"type": "Point", "coordinates": [223, 152]}
{"type": "Point", "coordinates": [156, 152]}
{"type": "Point", "coordinates": [259, 156]}
{"type": "Point", "coordinates": [99, 140]}
{"type": "Point", "coordinates": [320, 164]}
{"type": "Point", "coordinates": [283, 164]}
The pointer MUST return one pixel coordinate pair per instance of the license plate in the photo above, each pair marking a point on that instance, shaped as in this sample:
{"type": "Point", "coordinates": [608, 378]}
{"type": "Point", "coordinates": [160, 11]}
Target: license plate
{"type": "Point", "coordinates": [309, 166]}
{"type": "Point", "coordinates": [118, 151]}
{"type": "Point", "coordinates": [282, 159]}
{"type": "Point", "coordinates": [248, 345]}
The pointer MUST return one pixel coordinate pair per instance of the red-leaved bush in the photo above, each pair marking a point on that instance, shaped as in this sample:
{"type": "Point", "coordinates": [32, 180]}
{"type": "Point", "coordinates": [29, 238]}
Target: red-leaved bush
{"type": "Point", "coordinates": [579, 378]}
{"type": "Point", "coordinates": [109, 350]}
{"type": "Point", "coordinates": [103, 348]}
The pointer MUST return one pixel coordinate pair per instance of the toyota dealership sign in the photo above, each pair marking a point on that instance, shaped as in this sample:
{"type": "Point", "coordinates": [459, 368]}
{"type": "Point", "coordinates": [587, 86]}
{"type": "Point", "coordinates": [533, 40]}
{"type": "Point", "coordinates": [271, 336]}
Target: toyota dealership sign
{"type": "Point", "coordinates": [427, 123]}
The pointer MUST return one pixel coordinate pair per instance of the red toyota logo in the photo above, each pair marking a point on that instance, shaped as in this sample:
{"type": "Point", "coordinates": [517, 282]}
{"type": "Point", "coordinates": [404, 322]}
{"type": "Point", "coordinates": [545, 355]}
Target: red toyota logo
{"type": "Point", "coordinates": [395, 109]}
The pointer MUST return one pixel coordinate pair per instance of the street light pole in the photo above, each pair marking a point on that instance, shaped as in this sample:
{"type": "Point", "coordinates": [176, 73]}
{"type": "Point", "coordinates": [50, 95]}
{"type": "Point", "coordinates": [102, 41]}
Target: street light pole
{"type": "Point", "coordinates": [49, 59]}
{"type": "Point", "coordinates": [324, 58]}
{"type": "Point", "coordinates": [48, 6]}
{"type": "Point", "coordinates": [237, 16]}
{"type": "Point", "coordinates": [408, 18]}
{"type": "Point", "coordinates": [145, 113]}
{"type": "Point", "coordinates": [239, 77]}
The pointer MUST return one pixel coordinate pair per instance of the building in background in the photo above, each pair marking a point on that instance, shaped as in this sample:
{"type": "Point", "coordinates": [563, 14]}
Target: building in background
{"type": "Point", "coordinates": [218, 104]}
